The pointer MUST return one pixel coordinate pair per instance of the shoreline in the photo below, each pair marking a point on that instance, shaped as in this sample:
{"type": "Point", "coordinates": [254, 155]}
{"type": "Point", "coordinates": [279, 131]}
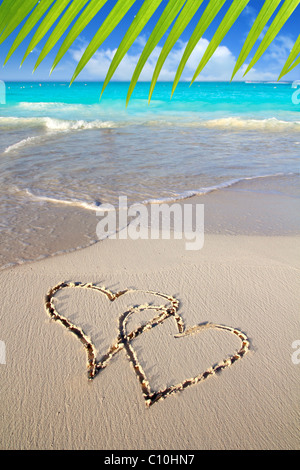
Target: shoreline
{"type": "Point", "coordinates": [256, 207]}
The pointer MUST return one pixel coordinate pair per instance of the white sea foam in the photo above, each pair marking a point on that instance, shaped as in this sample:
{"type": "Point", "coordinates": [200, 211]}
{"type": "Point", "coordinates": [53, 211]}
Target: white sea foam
{"type": "Point", "coordinates": [22, 143]}
{"type": "Point", "coordinates": [96, 206]}
{"type": "Point", "coordinates": [64, 125]}
{"type": "Point", "coordinates": [40, 105]}
{"type": "Point", "coordinates": [69, 202]}
{"type": "Point", "coordinates": [209, 189]}
{"type": "Point", "coordinates": [55, 124]}
{"type": "Point", "coordinates": [268, 124]}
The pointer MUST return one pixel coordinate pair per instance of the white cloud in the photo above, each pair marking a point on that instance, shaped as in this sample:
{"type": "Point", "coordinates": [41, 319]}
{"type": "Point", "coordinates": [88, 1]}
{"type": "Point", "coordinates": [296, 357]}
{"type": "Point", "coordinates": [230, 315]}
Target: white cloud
{"type": "Point", "coordinates": [219, 67]}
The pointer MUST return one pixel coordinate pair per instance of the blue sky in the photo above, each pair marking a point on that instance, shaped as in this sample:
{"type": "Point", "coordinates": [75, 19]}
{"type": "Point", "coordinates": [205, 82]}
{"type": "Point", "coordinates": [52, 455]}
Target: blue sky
{"type": "Point", "coordinates": [219, 68]}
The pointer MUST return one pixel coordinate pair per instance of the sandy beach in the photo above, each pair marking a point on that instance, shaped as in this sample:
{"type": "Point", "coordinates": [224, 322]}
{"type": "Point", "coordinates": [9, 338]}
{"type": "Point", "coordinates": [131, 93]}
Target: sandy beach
{"type": "Point", "coordinates": [150, 227]}
{"type": "Point", "coordinates": [247, 282]}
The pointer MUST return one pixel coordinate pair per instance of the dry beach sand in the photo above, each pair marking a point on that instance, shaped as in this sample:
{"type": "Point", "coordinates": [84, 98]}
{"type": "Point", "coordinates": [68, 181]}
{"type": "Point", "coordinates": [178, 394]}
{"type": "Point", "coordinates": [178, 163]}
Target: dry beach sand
{"type": "Point", "coordinates": [248, 282]}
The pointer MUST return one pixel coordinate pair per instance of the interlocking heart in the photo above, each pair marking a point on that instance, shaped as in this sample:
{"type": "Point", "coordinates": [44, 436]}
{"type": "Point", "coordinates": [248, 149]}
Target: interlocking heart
{"type": "Point", "coordinates": [124, 339]}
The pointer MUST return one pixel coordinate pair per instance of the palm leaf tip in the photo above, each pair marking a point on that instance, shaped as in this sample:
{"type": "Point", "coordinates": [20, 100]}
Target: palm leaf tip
{"type": "Point", "coordinates": [291, 60]}
{"type": "Point", "coordinates": [186, 15]}
{"type": "Point", "coordinates": [212, 9]}
{"type": "Point", "coordinates": [279, 21]}
{"type": "Point", "coordinates": [110, 23]}
{"type": "Point", "coordinates": [65, 21]}
{"type": "Point", "coordinates": [169, 14]}
{"type": "Point", "coordinates": [141, 19]}
{"type": "Point", "coordinates": [263, 17]}
{"type": "Point", "coordinates": [228, 21]}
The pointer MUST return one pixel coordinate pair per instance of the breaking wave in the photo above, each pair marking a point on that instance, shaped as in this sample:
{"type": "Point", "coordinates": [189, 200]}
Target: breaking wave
{"type": "Point", "coordinates": [52, 124]}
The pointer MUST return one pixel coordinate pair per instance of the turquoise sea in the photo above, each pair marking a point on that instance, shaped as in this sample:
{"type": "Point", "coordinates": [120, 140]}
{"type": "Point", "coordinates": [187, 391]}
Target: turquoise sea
{"type": "Point", "coordinates": [63, 149]}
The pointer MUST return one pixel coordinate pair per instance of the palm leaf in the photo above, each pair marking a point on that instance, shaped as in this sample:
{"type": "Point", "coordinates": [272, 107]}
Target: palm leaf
{"type": "Point", "coordinates": [109, 24]}
{"type": "Point", "coordinates": [146, 11]}
{"type": "Point", "coordinates": [186, 15]}
{"type": "Point", "coordinates": [61, 27]}
{"type": "Point", "coordinates": [297, 62]}
{"type": "Point", "coordinates": [85, 18]}
{"type": "Point", "coordinates": [169, 14]}
{"type": "Point", "coordinates": [283, 15]}
{"type": "Point", "coordinates": [208, 16]}
{"type": "Point", "coordinates": [12, 15]}
{"type": "Point", "coordinates": [45, 25]}
{"type": "Point", "coordinates": [4, 9]}
{"type": "Point", "coordinates": [58, 16]}
{"type": "Point", "coordinates": [294, 52]}
{"type": "Point", "coordinates": [263, 17]}
{"type": "Point", "coordinates": [33, 19]}
{"type": "Point", "coordinates": [229, 19]}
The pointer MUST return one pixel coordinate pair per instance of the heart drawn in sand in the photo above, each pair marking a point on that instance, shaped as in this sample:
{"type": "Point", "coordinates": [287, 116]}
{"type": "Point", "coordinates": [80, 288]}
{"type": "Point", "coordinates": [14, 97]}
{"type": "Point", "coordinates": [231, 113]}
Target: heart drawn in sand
{"type": "Point", "coordinates": [124, 339]}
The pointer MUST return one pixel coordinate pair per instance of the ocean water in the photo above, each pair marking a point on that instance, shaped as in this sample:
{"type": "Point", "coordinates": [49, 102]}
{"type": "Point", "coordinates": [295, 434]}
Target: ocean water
{"type": "Point", "coordinates": [64, 152]}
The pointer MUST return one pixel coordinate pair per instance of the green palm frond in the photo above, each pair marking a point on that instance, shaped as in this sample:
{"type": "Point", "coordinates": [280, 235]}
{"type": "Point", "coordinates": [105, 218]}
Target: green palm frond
{"type": "Point", "coordinates": [289, 65]}
{"type": "Point", "coordinates": [63, 21]}
{"type": "Point", "coordinates": [297, 62]}
{"type": "Point", "coordinates": [12, 14]}
{"type": "Point", "coordinates": [27, 27]}
{"type": "Point", "coordinates": [147, 10]}
{"type": "Point", "coordinates": [283, 15]}
{"type": "Point", "coordinates": [183, 20]}
{"type": "Point", "coordinates": [48, 21]}
{"type": "Point", "coordinates": [169, 14]}
{"type": "Point", "coordinates": [263, 17]}
{"type": "Point", "coordinates": [206, 19]}
{"type": "Point", "coordinates": [85, 18]}
{"type": "Point", "coordinates": [229, 19]}
{"type": "Point", "coordinates": [75, 7]}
